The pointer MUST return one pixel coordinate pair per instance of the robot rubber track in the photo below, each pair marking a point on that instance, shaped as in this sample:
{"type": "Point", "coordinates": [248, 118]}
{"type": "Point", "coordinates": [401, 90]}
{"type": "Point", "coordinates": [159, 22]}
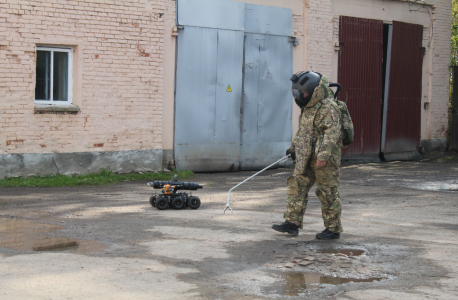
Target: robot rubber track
{"type": "Point", "coordinates": [171, 198]}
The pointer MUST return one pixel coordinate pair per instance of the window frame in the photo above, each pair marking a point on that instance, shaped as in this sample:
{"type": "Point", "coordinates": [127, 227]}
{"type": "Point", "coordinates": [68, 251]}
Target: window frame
{"type": "Point", "coordinates": [52, 49]}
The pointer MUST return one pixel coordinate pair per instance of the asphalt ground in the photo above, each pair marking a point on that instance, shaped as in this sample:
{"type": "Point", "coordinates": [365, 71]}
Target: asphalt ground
{"type": "Point", "coordinates": [399, 241]}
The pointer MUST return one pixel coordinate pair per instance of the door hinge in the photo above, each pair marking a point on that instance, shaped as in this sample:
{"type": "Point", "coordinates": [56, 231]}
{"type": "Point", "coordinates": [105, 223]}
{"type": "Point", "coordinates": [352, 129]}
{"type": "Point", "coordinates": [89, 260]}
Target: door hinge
{"type": "Point", "coordinates": [175, 31]}
{"type": "Point", "coordinates": [294, 40]}
{"type": "Point", "coordinates": [176, 28]}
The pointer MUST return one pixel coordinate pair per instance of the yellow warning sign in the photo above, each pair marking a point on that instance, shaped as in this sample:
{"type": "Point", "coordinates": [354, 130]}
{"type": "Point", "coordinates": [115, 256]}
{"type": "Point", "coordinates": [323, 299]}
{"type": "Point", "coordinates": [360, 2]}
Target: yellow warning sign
{"type": "Point", "coordinates": [229, 88]}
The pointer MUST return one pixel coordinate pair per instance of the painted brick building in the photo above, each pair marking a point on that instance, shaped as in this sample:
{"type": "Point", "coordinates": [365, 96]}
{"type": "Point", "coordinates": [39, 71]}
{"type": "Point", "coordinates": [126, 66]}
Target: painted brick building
{"type": "Point", "coordinates": [91, 84]}
{"type": "Point", "coordinates": [434, 17]}
{"type": "Point", "coordinates": [114, 116]}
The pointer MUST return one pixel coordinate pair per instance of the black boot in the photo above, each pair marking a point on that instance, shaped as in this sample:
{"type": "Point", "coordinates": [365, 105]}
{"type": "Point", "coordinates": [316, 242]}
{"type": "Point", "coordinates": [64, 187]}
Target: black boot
{"type": "Point", "coordinates": [287, 227]}
{"type": "Point", "coordinates": [327, 235]}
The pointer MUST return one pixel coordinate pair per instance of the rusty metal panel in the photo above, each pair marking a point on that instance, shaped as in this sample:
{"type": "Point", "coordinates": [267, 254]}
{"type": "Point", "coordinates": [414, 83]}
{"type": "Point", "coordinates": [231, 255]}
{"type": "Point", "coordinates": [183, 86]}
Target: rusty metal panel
{"type": "Point", "coordinates": [453, 135]}
{"type": "Point", "coordinates": [360, 74]}
{"type": "Point", "coordinates": [404, 96]}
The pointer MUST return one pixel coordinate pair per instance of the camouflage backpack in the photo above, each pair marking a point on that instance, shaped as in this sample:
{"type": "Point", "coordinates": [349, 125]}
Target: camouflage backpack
{"type": "Point", "coordinates": [347, 124]}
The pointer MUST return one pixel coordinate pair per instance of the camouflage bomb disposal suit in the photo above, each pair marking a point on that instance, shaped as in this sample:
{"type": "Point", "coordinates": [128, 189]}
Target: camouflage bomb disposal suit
{"type": "Point", "coordinates": [318, 138]}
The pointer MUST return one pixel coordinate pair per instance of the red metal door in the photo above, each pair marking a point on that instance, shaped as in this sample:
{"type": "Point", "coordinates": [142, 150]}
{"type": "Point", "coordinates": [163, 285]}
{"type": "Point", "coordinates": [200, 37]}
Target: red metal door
{"type": "Point", "coordinates": [404, 94]}
{"type": "Point", "coordinates": [360, 74]}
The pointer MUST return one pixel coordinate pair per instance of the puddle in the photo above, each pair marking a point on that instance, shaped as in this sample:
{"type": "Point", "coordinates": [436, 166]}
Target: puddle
{"type": "Point", "coordinates": [347, 252]}
{"type": "Point", "coordinates": [30, 236]}
{"type": "Point", "coordinates": [450, 186]}
{"type": "Point", "coordinates": [296, 283]}
{"type": "Point", "coordinates": [58, 247]}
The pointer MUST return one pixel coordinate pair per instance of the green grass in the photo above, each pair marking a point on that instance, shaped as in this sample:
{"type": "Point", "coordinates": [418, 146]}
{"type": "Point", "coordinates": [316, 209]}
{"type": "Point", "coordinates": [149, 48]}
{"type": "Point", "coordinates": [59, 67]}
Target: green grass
{"type": "Point", "coordinates": [104, 177]}
{"type": "Point", "coordinates": [447, 158]}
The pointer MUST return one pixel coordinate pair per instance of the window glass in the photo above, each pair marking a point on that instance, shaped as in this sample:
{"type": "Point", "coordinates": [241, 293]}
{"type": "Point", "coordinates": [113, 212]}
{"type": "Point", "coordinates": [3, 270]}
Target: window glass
{"type": "Point", "coordinates": [54, 75]}
{"type": "Point", "coordinates": [43, 87]}
{"type": "Point", "coordinates": [60, 76]}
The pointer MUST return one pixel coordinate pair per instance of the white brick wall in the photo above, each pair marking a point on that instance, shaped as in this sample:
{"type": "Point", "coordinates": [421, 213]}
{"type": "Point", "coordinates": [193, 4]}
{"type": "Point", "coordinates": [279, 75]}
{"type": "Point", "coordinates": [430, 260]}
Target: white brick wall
{"type": "Point", "coordinates": [320, 45]}
{"type": "Point", "coordinates": [298, 25]}
{"type": "Point", "coordinates": [120, 50]}
{"type": "Point", "coordinates": [323, 30]}
{"type": "Point", "coordinates": [438, 108]}
{"type": "Point", "coordinates": [121, 46]}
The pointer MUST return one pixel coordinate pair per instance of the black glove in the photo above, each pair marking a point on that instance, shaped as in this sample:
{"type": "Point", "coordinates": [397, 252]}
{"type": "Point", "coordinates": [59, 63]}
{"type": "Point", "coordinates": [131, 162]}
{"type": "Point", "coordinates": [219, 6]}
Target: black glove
{"type": "Point", "coordinates": [292, 153]}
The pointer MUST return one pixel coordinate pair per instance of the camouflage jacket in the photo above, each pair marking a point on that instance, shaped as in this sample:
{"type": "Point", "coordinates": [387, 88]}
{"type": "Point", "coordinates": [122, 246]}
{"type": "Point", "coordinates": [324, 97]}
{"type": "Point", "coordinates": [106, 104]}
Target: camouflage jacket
{"type": "Point", "coordinates": [319, 131]}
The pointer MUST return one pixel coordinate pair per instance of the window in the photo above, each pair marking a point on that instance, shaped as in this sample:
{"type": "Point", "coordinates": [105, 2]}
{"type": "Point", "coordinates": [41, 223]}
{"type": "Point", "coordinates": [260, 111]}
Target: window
{"type": "Point", "coordinates": [54, 76]}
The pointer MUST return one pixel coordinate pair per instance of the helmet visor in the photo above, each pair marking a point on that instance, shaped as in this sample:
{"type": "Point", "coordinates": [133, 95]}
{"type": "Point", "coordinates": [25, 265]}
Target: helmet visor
{"type": "Point", "coordinates": [297, 94]}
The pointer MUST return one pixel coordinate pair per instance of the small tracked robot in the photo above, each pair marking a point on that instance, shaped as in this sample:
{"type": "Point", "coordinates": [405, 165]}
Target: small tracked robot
{"type": "Point", "coordinates": [169, 197]}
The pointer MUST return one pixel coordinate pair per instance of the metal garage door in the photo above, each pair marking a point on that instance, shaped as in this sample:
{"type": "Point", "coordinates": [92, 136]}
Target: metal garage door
{"type": "Point", "coordinates": [360, 73]}
{"type": "Point", "coordinates": [233, 103]}
{"type": "Point", "coordinates": [267, 101]}
{"type": "Point", "coordinates": [401, 134]}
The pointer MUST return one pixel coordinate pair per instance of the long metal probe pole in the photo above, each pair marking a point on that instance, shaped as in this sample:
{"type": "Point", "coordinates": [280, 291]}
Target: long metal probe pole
{"type": "Point", "coordinates": [228, 194]}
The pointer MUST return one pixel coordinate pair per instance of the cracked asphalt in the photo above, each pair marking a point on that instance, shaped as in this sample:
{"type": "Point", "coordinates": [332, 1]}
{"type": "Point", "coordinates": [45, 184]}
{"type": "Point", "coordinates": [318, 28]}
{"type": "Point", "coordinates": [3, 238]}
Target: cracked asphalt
{"type": "Point", "coordinates": [399, 241]}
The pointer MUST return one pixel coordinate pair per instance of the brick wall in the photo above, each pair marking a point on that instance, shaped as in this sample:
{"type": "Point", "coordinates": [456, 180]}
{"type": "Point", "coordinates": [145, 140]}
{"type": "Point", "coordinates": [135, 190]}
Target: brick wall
{"type": "Point", "coordinates": [323, 30]}
{"type": "Point", "coordinates": [119, 70]}
{"type": "Point", "coordinates": [320, 45]}
{"type": "Point", "coordinates": [438, 108]}
{"type": "Point", "coordinates": [119, 50]}
{"type": "Point", "coordinates": [298, 25]}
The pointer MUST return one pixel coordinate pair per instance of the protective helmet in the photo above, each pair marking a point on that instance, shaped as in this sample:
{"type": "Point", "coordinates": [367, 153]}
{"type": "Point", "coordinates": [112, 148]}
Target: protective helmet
{"type": "Point", "coordinates": [304, 82]}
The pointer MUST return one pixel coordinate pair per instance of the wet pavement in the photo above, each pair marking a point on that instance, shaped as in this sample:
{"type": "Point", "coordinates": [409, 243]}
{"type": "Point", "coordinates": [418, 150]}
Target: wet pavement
{"type": "Point", "coordinates": [26, 235]}
{"type": "Point", "coordinates": [297, 283]}
{"type": "Point", "coordinates": [399, 241]}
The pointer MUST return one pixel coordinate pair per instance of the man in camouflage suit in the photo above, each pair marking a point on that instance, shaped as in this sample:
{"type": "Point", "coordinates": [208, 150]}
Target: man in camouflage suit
{"type": "Point", "coordinates": [317, 147]}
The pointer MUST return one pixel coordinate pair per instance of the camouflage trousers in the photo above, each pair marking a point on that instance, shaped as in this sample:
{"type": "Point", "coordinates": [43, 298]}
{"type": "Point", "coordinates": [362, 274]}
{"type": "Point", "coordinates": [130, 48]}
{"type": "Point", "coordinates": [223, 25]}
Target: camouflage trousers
{"type": "Point", "coordinates": [327, 180]}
